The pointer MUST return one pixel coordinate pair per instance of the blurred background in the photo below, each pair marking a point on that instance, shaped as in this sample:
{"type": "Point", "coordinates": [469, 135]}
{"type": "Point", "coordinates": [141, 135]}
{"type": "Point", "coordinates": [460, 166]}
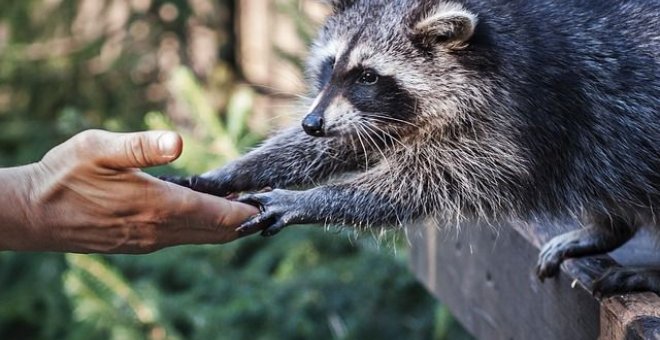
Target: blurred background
{"type": "Point", "coordinates": [224, 74]}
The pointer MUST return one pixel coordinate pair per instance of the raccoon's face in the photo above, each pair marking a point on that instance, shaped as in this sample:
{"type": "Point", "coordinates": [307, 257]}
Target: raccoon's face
{"type": "Point", "coordinates": [376, 64]}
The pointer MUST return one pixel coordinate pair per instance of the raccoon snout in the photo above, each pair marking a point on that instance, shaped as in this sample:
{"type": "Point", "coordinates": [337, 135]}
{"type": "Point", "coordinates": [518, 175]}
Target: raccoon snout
{"type": "Point", "coordinates": [313, 125]}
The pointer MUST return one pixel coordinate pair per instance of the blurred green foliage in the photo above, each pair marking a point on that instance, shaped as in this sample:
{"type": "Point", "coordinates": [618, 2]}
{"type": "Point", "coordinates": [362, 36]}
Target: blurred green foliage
{"type": "Point", "coordinates": [122, 65]}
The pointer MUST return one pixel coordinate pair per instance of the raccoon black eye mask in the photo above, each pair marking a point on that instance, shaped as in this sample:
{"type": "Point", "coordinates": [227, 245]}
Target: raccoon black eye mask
{"type": "Point", "coordinates": [474, 109]}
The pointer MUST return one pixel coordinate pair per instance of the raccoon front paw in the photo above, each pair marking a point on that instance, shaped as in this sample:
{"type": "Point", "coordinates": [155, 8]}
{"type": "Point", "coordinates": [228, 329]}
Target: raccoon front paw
{"type": "Point", "coordinates": [553, 254]}
{"type": "Point", "coordinates": [618, 280]}
{"type": "Point", "coordinates": [201, 184]}
{"type": "Point", "coordinates": [279, 208]}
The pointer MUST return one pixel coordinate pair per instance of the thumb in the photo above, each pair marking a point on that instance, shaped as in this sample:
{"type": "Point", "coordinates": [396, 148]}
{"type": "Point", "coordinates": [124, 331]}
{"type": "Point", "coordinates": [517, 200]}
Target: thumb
{"type": "Point", "coordinates": [141, 149]}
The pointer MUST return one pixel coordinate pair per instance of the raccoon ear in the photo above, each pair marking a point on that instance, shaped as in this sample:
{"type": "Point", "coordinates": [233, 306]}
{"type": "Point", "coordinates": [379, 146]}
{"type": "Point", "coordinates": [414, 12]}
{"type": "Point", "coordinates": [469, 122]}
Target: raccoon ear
{"type": "Point", "coordinates": [448, 24]}
{"type": "Point", "coordinates": [338, 5]}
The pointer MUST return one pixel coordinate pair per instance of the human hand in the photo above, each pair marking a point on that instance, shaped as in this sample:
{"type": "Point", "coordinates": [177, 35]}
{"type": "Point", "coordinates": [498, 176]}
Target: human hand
{"type": "Point", "coordinates": [88, 195]}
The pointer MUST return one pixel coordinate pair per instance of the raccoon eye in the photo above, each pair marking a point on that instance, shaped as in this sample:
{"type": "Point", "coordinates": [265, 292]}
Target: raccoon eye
{"type": "Point", "coordinates": [368, 77]}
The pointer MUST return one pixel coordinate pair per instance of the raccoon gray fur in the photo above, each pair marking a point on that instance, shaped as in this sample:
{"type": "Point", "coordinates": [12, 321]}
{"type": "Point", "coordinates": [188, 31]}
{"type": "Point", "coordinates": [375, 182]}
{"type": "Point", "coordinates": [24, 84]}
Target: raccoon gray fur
{"type": "Point", "coordinates": [473, 109]}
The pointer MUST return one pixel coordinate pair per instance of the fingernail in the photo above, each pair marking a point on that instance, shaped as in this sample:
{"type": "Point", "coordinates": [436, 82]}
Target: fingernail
{"type": "Point", "coordinates": [168, 144]}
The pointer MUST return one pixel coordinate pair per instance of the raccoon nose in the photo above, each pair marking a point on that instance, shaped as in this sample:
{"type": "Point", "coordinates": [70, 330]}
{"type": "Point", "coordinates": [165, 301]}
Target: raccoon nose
{"type": "Point", "coordinates": [313, 125]}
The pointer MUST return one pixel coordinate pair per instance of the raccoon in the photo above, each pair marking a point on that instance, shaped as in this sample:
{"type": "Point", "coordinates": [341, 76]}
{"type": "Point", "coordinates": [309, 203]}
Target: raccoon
{"type": "Point", "coordinates": [472, 109]}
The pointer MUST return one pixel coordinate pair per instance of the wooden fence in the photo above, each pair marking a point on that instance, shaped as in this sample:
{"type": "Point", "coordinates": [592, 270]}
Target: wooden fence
{"type": "Point", "coordinates": [486, 277]}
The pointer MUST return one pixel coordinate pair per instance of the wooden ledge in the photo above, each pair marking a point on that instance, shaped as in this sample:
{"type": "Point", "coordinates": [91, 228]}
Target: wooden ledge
{"type": "Point", "coordinates": [485, 275]}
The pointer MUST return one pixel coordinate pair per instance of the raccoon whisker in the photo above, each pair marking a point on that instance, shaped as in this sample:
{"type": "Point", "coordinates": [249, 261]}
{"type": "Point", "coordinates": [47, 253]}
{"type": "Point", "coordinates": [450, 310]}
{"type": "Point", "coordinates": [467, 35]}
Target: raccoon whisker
{"type": "Point", "coordinates": [382, 131]}
{"type": "Point", "coordinates": [374, 115]}
{"type": "Point", "coordinates": [385, 119]}
{"type": "Point", "coordinates": [376, 120]}
{"type": "Point", "coordinates": [366, 130]}
{"type": "Point", "coordinates": [378, 133]}
{"type": "Point", "coordinates": [366, 156]}
{"type": "Point", "coordinates": [397, 140]}
{"type": "Point", "coordinates": [281, 115]}
{"type": "Point", "coordinates": [359, 125]}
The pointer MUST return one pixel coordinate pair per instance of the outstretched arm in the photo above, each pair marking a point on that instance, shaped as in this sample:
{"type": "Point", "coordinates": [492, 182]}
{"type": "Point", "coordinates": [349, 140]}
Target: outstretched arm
{"type": "Point", "coordinates": [291, 158]}
{"type": "Point", "coordinates": [88, 195]}
{"type": "Point", "coordinates": [368, 200]}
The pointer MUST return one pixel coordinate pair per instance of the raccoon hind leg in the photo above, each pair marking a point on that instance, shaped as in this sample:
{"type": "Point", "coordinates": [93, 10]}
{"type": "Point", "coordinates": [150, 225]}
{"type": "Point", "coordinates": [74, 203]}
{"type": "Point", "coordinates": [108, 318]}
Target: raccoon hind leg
{"type": "Point", "coordinates": [619, 280]}
{"type": "Point", "coordinates": [603, 236]}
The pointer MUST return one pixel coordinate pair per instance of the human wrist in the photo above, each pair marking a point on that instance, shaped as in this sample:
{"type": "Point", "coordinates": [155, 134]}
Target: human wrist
{"type": "Point", "coordinates": [17, 230]}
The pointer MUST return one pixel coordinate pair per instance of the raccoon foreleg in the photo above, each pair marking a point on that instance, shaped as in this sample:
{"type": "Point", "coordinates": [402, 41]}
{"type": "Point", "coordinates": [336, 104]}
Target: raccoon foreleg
{"type": "Point", "coordinates": [347, 203]}
{"type": "Point", "coordinates": [291, 158]}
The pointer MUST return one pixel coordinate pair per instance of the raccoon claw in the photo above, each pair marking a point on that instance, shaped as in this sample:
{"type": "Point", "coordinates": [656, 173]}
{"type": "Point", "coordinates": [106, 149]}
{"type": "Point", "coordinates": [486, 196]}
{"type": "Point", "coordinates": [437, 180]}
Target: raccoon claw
{"type": "Point", "coordinates": [200, 184]}
{"type": "Point", "coordinates": [547, 269]}
{"type": "Point", "coordinates": [178, 180]}
{"type": "Point", "coordinates": [259, 222]}
{"type": "Point", "coordinates": [278, 210]}
{"type": "Point", "coordinates": [618, 280]}
{"type": "Point", "coordinates": [552, 255]}
{"type": "Point", "coordinates": [268, 222]}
